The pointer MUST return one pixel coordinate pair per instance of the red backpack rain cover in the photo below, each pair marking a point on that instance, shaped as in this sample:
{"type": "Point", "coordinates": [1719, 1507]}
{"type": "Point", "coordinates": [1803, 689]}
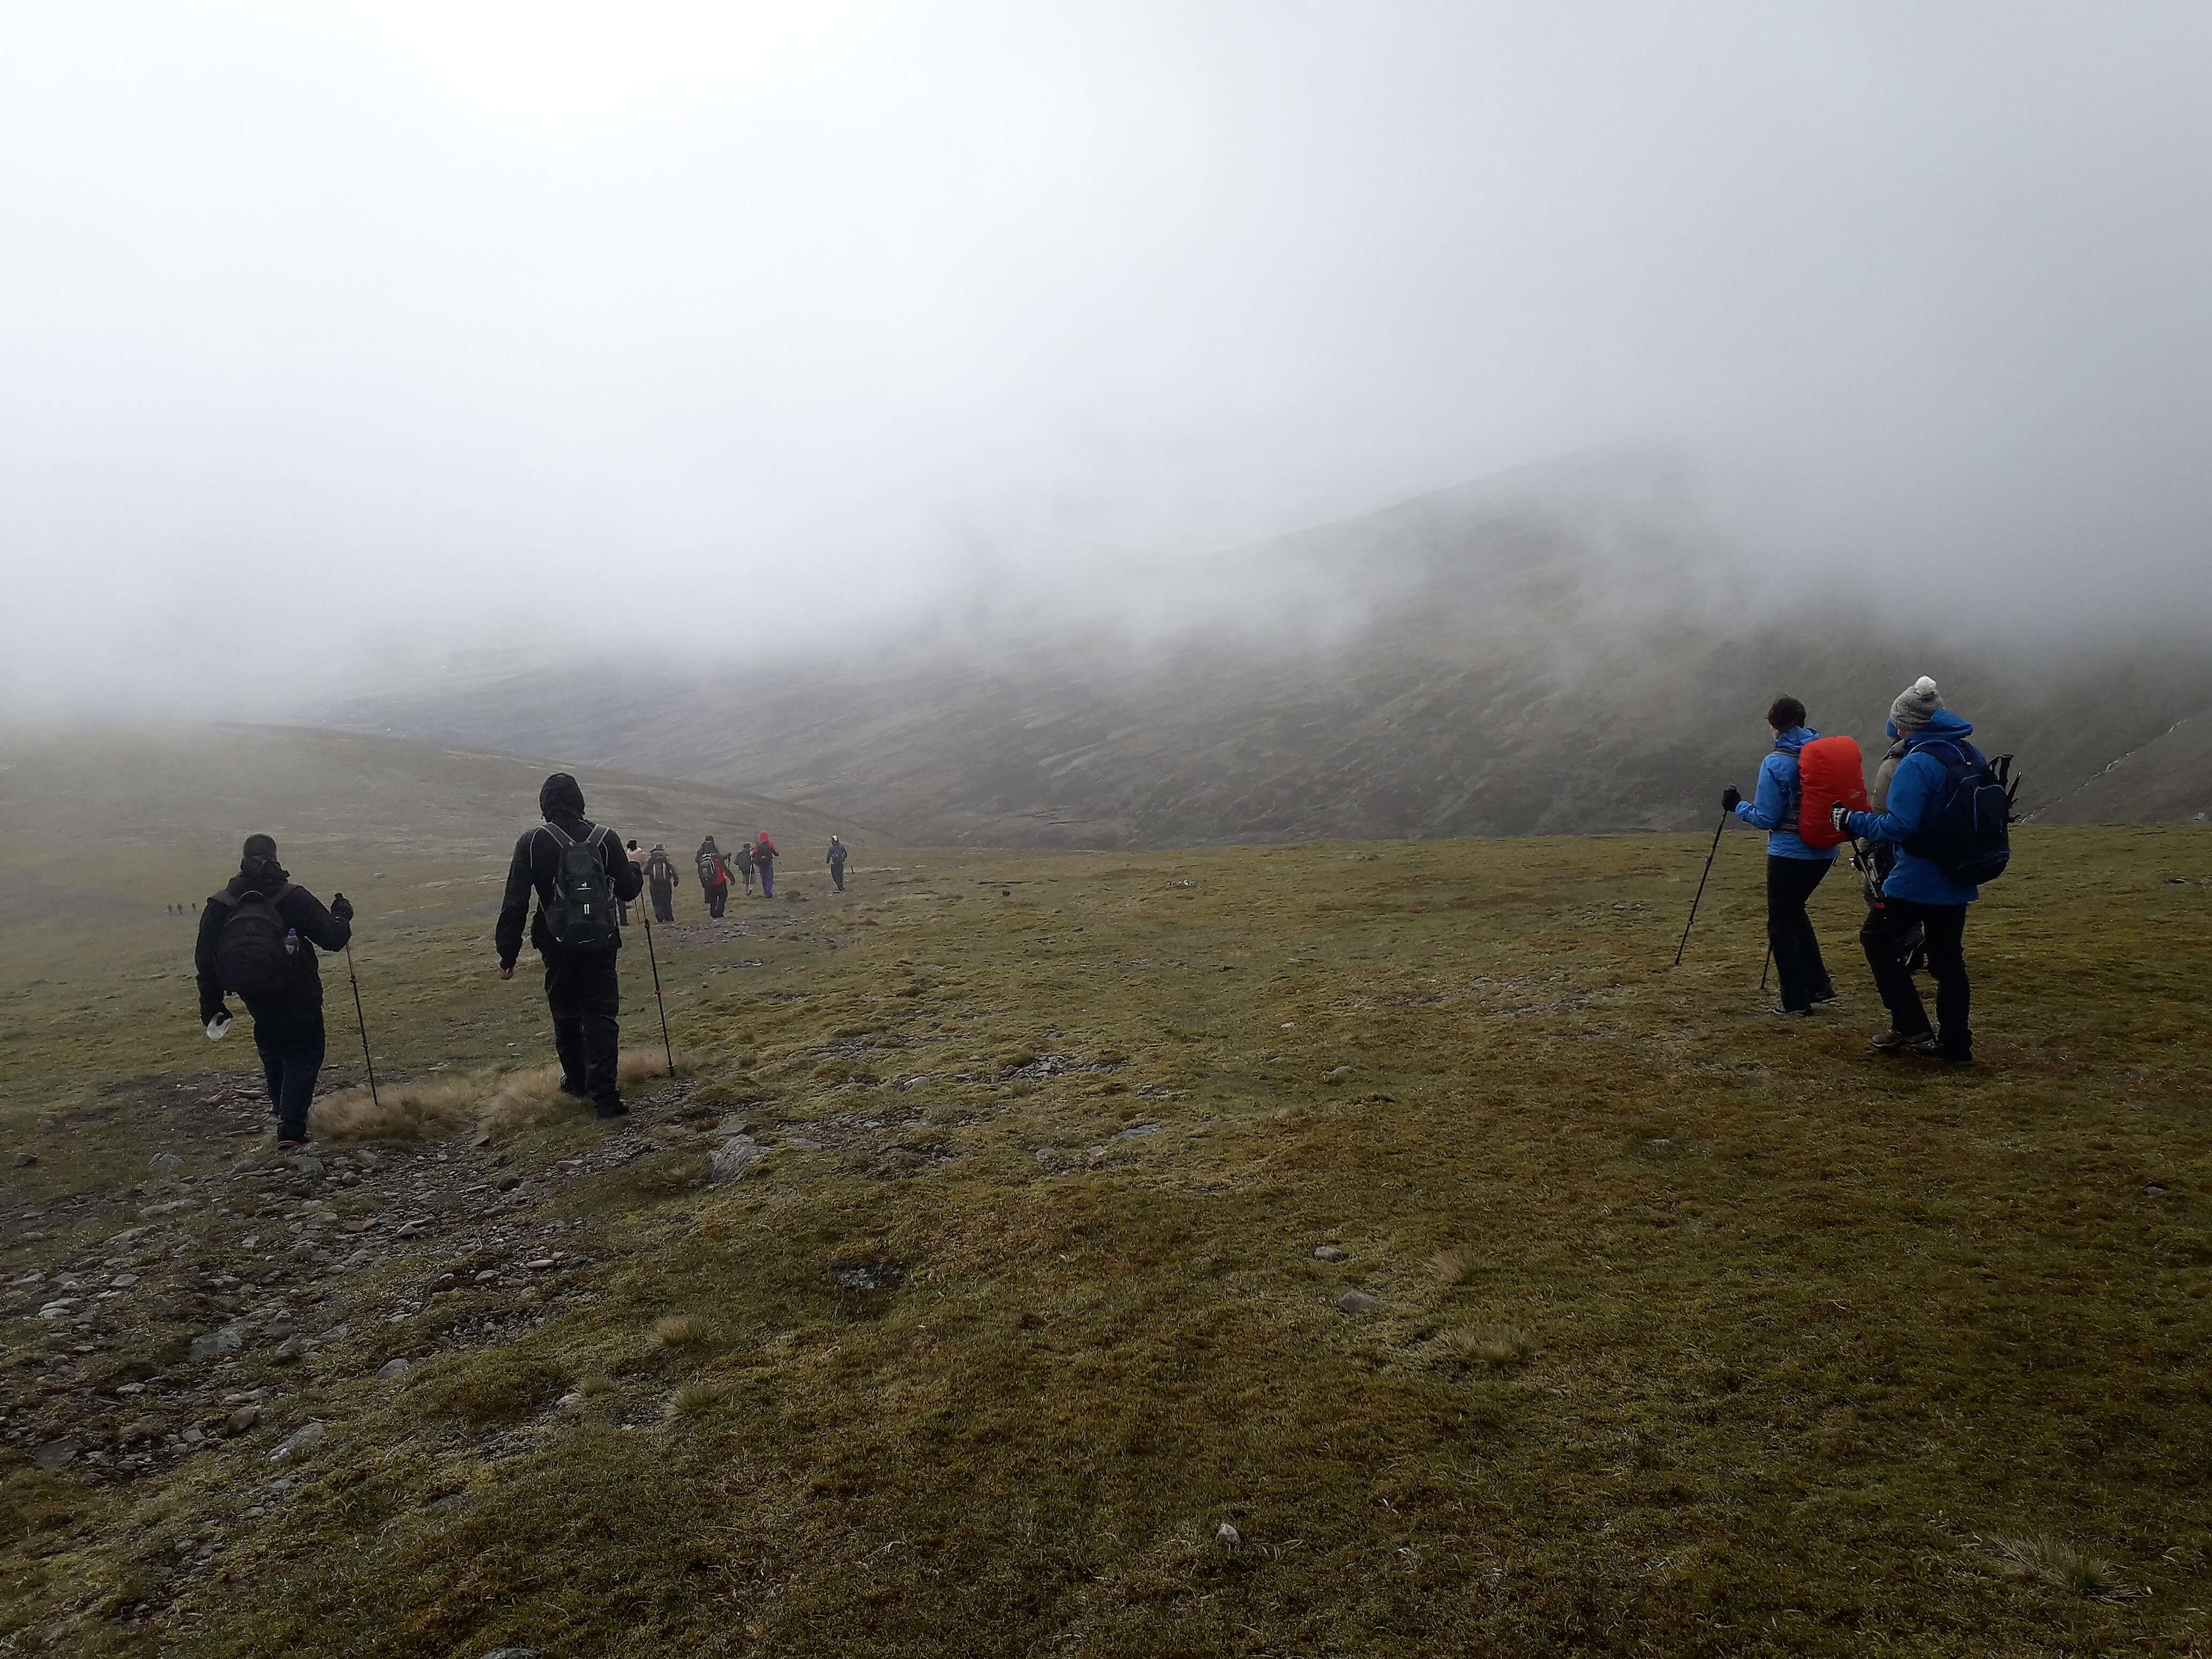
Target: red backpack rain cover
{"type": "Point", "coordinates": [1829, 770]}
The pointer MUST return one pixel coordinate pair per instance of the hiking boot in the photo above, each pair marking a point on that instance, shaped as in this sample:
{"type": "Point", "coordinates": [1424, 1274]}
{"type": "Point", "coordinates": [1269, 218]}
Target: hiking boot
{"type": "Point", "coordinates": [575, 1090]}
{"type": "Point", "coordinates": [613, 1109]}
{"type": "Point", "coordinates": [1892, 1042]}
{"type": "Point", "coordinates": [291, 1140]}
{"type": "Point", "coordinates": [1792, 1013]}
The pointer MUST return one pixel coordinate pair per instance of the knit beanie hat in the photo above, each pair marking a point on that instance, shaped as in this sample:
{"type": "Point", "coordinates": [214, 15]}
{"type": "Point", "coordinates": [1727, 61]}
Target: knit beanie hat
{"type": "Point", "coordinates": [1915, 706]}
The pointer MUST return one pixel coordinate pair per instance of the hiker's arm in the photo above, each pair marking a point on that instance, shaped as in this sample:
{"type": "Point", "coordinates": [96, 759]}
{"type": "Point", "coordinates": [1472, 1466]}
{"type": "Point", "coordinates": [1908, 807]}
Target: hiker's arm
{"type": "Point", "coordinates": [1908, 801]}
{"type": "Point", "coordinates": [1769, 802]}
{"type": "Point", "coordinates": [514, 908]}
{"type": "Point", "coordinates": [316, 923]}
{"type": "Point", "coordinates": [630, 879]}
{"type": "Point", "coordinates": [211, 916]}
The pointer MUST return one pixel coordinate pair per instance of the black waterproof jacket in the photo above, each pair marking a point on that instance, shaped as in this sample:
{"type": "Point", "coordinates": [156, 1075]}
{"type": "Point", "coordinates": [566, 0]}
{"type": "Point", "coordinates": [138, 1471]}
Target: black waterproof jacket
{"type": "Point", "coordinates": [538, 859]}
{"type": "Point", "coordinates": [301, 910]}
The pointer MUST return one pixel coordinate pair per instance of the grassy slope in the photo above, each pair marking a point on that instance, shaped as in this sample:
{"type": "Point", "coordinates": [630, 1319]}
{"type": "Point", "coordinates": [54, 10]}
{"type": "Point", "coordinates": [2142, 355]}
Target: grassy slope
{"type": "Point", "coordinates": [1810, 1331]}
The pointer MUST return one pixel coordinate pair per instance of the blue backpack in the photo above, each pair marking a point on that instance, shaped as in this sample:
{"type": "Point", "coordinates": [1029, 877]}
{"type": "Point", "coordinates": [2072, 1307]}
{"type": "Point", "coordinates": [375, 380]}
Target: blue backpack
{"type": "Point", "coordinates": [1970, 839]}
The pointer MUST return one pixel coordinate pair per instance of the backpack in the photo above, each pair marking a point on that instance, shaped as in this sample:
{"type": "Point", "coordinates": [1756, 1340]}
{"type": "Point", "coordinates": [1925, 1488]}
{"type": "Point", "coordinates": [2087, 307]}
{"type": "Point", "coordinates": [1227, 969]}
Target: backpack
{"type": "Point", "coordinates": [250, 958]}
{"type": "Point", "coordinates": [711, 873]}
{"type": "Point", "coordinates": [1970, 839]}
{"type": "Point", "coordinates": [581, 914]}
{"type": "Point", "coordinates": [1831, 772]}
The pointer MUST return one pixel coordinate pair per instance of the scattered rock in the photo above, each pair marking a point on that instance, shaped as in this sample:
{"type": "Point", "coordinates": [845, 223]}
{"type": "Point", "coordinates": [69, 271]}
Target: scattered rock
{"type": "Point", "coordinates": [512, 1653]}
{"type": "Point", "coordinates": [1331, 1252]}
{"type": "Point", "coordinates": [1135, 1130]}
{"type": "Point", "coordinates": [1046, 1154]}
{"type": "Point", "coordinates": [1357, 1302]}
{"type": "Point", "coordinates": [172, 1206]}
{"type": "Point", "coordinates": [165, 1161]}
{"type": "Point", "coordinates": [392, 1369]}
{"type": "Point", "coordinates": [54, 1453]}
{"type": "Point", "coordinates": [541, 1264]}
{"type": "Point", "coordinates": [288, 1351]}
{"type": "Point", "coordinates": [867, 1275]}
{"type": "Point", "coordinates": [123, 1281]}
{"type": "Point", "coordinates": [241, 1420]}
{"type": "Point", "coordinates": [298, 1443]}
{"type": "Point", "coordinates": [1339, 1070]}
{"type": "Point", "coordinates": [1227, 1536]}
{"type": "Point", "coordinates": [733, 1157]}
{"type": "Point", "coordinates": [2153, 1190]}
{"type": "Point", "coordinates": [1659, 1143]}
{"type": "Point", "coordinates": [307, 1164]}
{"type": "Point", "coordinates": [25, 1160]}
{"type": "Point", "coordinates": [209, 1345]}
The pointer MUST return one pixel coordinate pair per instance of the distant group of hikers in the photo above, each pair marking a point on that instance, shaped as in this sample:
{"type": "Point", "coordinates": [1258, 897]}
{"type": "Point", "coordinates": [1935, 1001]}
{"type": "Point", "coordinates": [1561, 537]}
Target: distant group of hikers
{"type": "Point", "coordinates": [259, 938]}
{"type": "Point", "coordinates": [1932, 828]}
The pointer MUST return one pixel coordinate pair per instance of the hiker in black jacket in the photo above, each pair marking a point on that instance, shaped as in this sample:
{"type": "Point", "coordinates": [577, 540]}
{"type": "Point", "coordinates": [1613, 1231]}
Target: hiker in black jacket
{"type": "Point", "coordinates": [837, 856]}
{"type": "Point", "coordinates": [581, 987]}
{"type": "Point", "coordinates": [258, 937]}
{"type": "Point", "coordinates": [661, 881]}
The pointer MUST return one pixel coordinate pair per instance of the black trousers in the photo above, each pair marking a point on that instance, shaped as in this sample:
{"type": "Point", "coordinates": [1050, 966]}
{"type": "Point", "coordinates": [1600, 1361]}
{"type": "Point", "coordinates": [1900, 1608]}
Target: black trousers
{"type": "Point", "coordinates": [1886, 935]}
{"type": "Point", "coordinates": [664, 901]}
{"type": "Point", "coordinates": [717, 898]}
{"type": "Point", "coordinates": [585, 996]}
{"type": "Point", "coordinates": [290, 1045]}
{"type": "Point", "coordinates": [837, 875]}
{"type": "Point", "coordinates": [1804, 976]}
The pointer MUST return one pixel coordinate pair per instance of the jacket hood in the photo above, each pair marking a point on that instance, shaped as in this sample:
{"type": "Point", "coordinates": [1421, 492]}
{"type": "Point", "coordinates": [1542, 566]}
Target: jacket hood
{"type": "Point", "coordinates": [1942, 725]}
{"type": "Point", "coordinates": [262, 876]}
{"type": "Point", "coordinates": [561, 796]}
{"type": "Point", "coordinates": [1794, 738]}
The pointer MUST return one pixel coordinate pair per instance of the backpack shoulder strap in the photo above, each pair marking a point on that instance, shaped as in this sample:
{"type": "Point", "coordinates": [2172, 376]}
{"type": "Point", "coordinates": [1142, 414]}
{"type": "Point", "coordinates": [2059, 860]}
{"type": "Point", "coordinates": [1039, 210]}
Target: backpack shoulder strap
{"type": "Point", "coordinates": [561, 838]}
{"type": "Point", "coordinates": [228, 899]}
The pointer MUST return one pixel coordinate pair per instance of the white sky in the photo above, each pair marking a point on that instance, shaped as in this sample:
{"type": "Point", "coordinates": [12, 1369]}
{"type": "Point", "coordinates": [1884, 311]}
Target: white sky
{"type": "Point", "coordinates": [330, 333]}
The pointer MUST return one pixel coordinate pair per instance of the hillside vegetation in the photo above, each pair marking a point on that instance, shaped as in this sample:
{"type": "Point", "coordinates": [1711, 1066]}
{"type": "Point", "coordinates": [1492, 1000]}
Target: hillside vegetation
{"type": "Point", "coordinates": [1050, 1183]}
{"type": "Point", "coordinates": [1562, 650]}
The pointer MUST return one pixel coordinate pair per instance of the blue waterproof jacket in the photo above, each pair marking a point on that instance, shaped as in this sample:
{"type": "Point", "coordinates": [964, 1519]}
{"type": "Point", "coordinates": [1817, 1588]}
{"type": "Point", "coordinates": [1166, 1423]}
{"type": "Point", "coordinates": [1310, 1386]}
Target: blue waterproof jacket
{"type": "Point", "coordinates": [1916, 798]}
{"type": "Point", "coordinates": [1773, 804]}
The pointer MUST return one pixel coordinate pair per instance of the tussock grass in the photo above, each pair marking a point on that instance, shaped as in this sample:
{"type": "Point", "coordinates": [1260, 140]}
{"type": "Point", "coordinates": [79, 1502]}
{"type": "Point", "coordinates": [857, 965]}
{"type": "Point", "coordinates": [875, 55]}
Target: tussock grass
{"type": "Point", "coordinates": [500, 1099]}
{"type": "Point", "coordinates": [1497, 1347]}
{"type": "Point", "coordinates": [693, 1398]}
{"type": "Point", "coordinates": [2055, 1562]}
{"type": "Point", "coordinates": [1451, 1267]}
{"type": "Point", "coordinates": [677, 1331]}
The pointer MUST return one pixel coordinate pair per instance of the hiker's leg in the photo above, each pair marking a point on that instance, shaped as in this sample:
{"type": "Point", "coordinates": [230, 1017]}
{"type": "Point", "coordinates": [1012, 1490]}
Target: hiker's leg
{"type": "Point", "coordinates": [1823, 989]}
{"type": "Point", "coordinates": [562, 1002]}
{"type": "Point", "coordinates": [599, 996]}
{"type": "Point", "coordinates": [768, 881]}
{"type": "Point", "coordinates": [303, 1063]}
{"type": "Point", "coordinates": [1888, 927]}
{"type": "Point", "coordinates": [1785, 930]}
{"type": "Point", "coordinates": [268, 1042]}
{"type": "Point", "coordinates": [1947, 960]}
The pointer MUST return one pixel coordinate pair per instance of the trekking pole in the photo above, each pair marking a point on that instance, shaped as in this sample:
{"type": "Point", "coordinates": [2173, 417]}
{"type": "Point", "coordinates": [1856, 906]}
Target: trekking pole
{"type": "Point", "coordinates": [361, 1020]}
{"type": "Point", "coordinates": [652, 956]}
{"type": "Point", "coordinates": [1770, 963]}
{"type": "Point", "coordinates": [1694, 902]}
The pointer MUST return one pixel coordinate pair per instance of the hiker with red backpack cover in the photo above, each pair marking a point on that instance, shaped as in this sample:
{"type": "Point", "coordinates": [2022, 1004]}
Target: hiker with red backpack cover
{"type": "Point", "coordinates": [579, 874]}
{"type": "Point", "coordinates": [713, 876]}
{"type": "Point", "coordinates": [1947, 812]}
{"type": "Point", "coordinates": [258, 938]}
{"type": "Point", "coordinates": [1793, 866]}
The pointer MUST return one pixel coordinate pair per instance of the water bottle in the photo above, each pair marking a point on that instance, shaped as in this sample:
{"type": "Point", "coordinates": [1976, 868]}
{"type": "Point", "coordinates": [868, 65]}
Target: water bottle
{"type": "Point", "coordinates": [291, 941]}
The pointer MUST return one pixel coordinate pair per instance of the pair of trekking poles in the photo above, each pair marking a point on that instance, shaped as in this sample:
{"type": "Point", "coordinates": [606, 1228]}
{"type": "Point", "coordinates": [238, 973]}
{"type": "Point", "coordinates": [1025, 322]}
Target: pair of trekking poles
{"type": "Point", "coordinates": [1710, 853]}
{"type": "Point", "coordinates": [361, 1019]}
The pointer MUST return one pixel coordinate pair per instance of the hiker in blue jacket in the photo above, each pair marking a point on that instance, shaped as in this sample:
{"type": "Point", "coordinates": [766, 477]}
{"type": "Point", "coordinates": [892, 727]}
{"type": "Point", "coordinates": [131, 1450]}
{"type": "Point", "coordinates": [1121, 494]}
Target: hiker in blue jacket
{"type": "Point", "coordinates": [1917, 891]}
{"type": "Point", "coordinates": [1793, 869]}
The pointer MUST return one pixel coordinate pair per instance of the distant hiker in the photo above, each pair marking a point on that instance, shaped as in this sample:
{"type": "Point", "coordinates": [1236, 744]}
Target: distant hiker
{"type": "Point", "coordinates": [837, 862]}
{"type": "Point", "coordinates": [765, 858]}
{"type": "Point", "coordinates": [713, 876]}
{"type": "Point", "coordinates": [259, 937]}
{"type": "Point", "coordinates": [744, 861]}
{"type": "Point", "coordinates": [578, 871]}
{"type": "Point", "coordinates": [660, 880]}
{"type": "Point", "coordinates": [1793, 868]}
{"type": "Point", "coordinates": [1940, 856]}
{"type": "Point", "coordinates": [1907, 715]}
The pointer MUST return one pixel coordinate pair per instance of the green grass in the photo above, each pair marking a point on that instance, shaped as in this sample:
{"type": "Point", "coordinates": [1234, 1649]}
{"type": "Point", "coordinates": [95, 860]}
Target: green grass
{"type": "Point", "coordinates": [1697, 1331]}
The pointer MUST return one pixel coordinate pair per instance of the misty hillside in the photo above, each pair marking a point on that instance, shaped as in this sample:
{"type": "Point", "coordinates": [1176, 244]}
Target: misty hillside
{"type": "Point", "coordinates": [1558, 650]}
{"type": "Point", "coordinates": [156, 814]}
{"type": "Point", "coordinates": [2167, 779]}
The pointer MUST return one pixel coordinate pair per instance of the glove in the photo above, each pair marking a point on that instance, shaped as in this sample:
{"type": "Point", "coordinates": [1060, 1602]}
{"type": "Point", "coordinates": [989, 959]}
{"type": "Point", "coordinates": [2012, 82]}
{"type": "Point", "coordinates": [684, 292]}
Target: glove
{"type": "Point", "coordinates": [1840, 816]}
{"type": "Point", "coordinates": [1731, 797]}
{"type": "Point", "coordinates": [341, 907]}
{"type": "Point", "coordinates": [219, 1027]}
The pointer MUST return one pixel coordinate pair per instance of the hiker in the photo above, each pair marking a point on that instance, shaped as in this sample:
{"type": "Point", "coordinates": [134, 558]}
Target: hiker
{"type": "Point", "coordinates": [259, 937]}
{"type": "Point", "coordinates": [579, 873]}
{"type": "Point", "coordinates": [713, 876]}
{"type": "Point", "coordinates": [765, 858]}
{"type": "Point", "coordinates": [837, 862]}
{"type": "Point", "coordinates": [1917, 893]}
{"type": "Point", "coordinates": [745, 863]}
{"type": "Point", "coordinates": [660, 880]}
{"type": "Point", "coordinates": [1794, 869]}
{"type": "Point", "coordinates": [1874, 859]}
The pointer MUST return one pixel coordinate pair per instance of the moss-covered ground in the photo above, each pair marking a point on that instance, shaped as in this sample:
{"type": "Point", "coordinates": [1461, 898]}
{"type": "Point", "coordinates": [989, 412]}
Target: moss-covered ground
{"type": "Point", "coordinates": [1694, 1330]}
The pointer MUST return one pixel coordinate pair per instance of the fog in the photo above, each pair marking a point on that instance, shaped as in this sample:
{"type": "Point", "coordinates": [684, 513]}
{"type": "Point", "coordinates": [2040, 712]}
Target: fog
{"type": "Point", "coordinates": [334, 338]}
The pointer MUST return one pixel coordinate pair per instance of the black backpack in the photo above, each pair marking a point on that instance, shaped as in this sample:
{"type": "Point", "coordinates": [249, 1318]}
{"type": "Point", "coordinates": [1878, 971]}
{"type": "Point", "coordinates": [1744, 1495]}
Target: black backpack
{"type": "Point", "coordinates": [581, 914]}
{"type": "Point", "coordinates": [250, 958]}
{"type": "Point", "coordinates": [1971, 839]}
